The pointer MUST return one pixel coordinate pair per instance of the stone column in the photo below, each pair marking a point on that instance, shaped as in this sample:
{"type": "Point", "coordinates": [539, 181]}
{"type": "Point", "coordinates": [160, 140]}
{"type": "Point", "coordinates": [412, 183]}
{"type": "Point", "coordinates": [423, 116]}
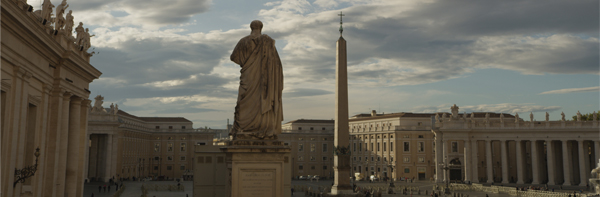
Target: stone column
{"type": "Point", "coordinates": [504, 161]}
{"type": "Point", "coordinates": [567, 159]}
{"type": "Point", "coordinates": [467, 165]}
{"type": "Point", "coordinates": [439, 157]}
{"type": "Point", "coordinates": [582, 170]}
{"type": "Point", "coordinates": [53, 141]}
{"type": "Point", "coordinates": [445, 151]}
{"type": "Point", "coordinates": [62, 158]}
{"type": "Point", "coordinates": [488, 161]}
{"type": "Point", "coordinates": [520, 159]}
{"type": "Point", "coordinates": [474, 161]}
{"type": "Point", "coordinates": [71, 182]}
{"type": "Point", "coordinates": [108, 156]}
{"type": "Point", "coordinates": [550, 161]}
{"type": "Point", "coordinates": [535, 166]}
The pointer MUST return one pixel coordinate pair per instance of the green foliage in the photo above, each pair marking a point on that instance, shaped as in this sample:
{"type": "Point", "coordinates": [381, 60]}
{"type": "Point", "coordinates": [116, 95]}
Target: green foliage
{"type": "Point", "coordinates": [588, 116]}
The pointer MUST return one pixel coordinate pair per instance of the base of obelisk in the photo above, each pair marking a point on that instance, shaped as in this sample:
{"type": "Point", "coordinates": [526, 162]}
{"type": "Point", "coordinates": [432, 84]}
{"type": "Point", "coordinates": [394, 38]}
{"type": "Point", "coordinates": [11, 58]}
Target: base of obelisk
{"type": "Point", "coordinates": [258, 169]}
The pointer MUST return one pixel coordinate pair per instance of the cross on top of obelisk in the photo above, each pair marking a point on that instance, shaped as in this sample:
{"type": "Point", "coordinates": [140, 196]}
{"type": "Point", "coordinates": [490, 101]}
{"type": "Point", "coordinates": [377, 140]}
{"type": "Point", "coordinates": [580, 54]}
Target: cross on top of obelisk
{"type": "Point", "coordinates": [341, 28]}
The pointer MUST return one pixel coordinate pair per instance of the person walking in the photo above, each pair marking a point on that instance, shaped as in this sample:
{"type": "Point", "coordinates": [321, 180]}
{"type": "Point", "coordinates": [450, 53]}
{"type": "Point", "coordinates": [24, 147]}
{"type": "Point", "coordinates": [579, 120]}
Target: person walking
{"type": "Point", "coordinates": [108, 187]}
{"type": "Point", "coordinates": [104, 188]}
{"type": "Point", "coordinates": [99, 188]}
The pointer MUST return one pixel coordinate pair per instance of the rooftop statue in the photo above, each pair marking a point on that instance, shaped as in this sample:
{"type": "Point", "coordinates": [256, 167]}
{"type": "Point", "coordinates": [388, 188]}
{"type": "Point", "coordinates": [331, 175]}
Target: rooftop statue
{"type": "Point", "coordinates": [578, 116]}
{"type": "Point", "coordinates": [547, 117]}
{"type": "Point", "coordinates": [47, 12]}
{"type": "Point", "coordinates": [69, 24]}
{"type": "Point", "coordinates": [501, 117]}
{"type": "Point", "coordinates": [98, 104]}
{"type": "Point", "coordinates": [531, 117]}
{"type": "Point", "coordinates": [80, 34]}
{"type": "Point", "coordinates": [60, 19]}
{"type": "Point", "coordinates": [258, 113]}
{"type": "Point", "coordinates": [562, 114]}
{"type": "Point", "coordinates": [517, 117]}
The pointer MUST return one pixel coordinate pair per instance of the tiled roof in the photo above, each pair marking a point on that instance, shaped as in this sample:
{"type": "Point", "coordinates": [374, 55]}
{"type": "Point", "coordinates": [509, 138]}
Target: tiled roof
{"type": "Point", "coordinates": [154, 119]}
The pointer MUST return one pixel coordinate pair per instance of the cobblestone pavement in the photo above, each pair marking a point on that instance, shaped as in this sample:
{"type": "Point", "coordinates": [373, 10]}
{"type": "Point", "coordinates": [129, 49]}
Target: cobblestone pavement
{"type": "Point", "coordinates": [423, 185]}
{"type": "Point", "coordinates": [133, 188]}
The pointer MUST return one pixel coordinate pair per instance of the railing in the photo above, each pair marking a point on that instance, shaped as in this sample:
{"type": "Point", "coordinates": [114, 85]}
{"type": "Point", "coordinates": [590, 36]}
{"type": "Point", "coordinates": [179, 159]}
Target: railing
{"type": "Point", "coordinates": [509, 190]}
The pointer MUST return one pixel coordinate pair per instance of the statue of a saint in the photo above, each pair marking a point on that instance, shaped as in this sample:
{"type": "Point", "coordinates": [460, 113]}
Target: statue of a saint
{"type": "Point", "coordinates": [258, 112]}
{"type": "Point", "coordinates": [112, 108]}
{"type": "Point", "coordinates": [454, 110]}
{"type": "Point", "coordinates": [562, 114]}
{"type": "Point", "coordinates": [98, 104]}
{"type": "Point", "coordinates": [487, 117]}
{"type": "Point", "coordinates": [472, 117]}
{"type": "Point", "coordinates": [578, 116]}
{"type": "Point", "coordinates": [60, 10]}
{"type": "Point", "coordinates": [501, 117]}
{"type": "Point", "coordinates": [547, 117]}
{"type": "Point", "coordinates": [517, 117]}
{"type": "Point", "coordinates": [86, 44]}
{"type": "Point", "coordinates": [116, 109]}
{"type": "Point", "coordinates": [437, 117]}
{"type": "Point", "coordinates": [531, 117]}
{"type": "Point", "coordinates": [69, 24]}
{"type": "Point", "coordinates": [47, 12]}
{"type": "Point", "coordinates": [80, 37]}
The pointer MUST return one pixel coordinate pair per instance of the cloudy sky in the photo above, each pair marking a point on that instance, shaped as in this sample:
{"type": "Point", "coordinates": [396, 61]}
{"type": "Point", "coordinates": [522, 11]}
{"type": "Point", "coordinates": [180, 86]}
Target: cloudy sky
{"type": "Point", "coordinates": [171, 58]}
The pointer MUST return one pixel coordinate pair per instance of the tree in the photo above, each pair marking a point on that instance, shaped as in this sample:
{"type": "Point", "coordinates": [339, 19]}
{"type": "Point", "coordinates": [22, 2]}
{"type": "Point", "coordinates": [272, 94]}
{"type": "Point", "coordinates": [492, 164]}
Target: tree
{"type": "Point", "coordinates": [588, 116]}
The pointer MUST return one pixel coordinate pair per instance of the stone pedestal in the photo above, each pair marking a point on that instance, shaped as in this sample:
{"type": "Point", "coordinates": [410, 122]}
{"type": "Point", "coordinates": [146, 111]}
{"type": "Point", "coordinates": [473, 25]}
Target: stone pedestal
{"type": "Point", "coordinates": [259, 168]}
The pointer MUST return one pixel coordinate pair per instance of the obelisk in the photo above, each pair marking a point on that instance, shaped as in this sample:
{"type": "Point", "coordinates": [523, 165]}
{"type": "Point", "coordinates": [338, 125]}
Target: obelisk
{"type": "Point", "coordinates": [341, 158]}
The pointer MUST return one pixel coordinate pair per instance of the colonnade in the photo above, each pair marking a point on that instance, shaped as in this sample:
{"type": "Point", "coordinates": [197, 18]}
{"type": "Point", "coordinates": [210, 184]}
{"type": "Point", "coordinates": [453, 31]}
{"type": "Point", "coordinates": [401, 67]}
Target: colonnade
{"type": "Point", "coordinates": [537, 161]}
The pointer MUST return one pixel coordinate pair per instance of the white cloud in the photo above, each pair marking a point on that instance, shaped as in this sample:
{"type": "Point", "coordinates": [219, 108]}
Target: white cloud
{"type": "Point", "coordinates": [573, 90]}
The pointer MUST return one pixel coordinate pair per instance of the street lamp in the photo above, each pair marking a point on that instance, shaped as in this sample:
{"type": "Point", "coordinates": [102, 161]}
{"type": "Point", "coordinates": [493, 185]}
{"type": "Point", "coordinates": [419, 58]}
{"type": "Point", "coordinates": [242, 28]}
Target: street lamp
{"type": "Point", "coordinates": [446, 168]}
{"type": "Point", "coordinates": [28, 171]}
{"type": "Point", "coordinates": [391, 167]}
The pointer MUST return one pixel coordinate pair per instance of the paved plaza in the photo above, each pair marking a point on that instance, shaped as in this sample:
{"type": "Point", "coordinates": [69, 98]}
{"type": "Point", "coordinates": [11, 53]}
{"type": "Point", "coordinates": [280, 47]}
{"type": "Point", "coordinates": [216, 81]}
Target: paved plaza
{"type": "Point", "coordinates": [133, 188]}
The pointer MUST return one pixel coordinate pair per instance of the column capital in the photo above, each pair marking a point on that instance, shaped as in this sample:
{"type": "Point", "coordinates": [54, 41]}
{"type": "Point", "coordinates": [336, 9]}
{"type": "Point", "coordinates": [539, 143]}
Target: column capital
{"type": "Point", "coordinates": [75, 100]}
{"type": "Point", "coordinates": [67, 95]}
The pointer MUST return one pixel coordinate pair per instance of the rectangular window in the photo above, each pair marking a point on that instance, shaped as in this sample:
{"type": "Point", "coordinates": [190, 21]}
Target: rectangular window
{"type": "Point", "coordinates": [378, 145]}
{"type": "Point", "coordinates": [312, 167]}
{"type": "Point", "coordinates": [384, 146]}
{"type": "Point", "coordinates": [182, 127]}
{"type": "Point", "coordinates": [156, 158]}
{"type": "Point", "coordinates": [312, 147]}
{"type": "Point", "coordinates": [359, 158]}
{"type": "Point", "coordinates": [156, 147]}
{"type": "Point", "coordinates": [299, 128]}
{"type": "Point", "coordinates": [366, 148]}
{"type": "Point", "coordinates": [155, 167]}
{"type": "Point", "coordinates": [312, 158]}
{"type": "Point", "coordinates": [406, 159]}
{"type": "Point", "coordinates": [391, 158]}
{"type": "Point", "coordinates": [300, 147]}
{"type": "Point", "coordinates": [300, 158]}
{"type": "Point", "coordinates": [406, 136]}
{"type": "Point", "coordinates": [324, 147]}
{"type": "Point", "coordinates": [182, 158]}
{"type": "Point", "coordinates": [454, 147]}
{"type": "Point", "coordinates": [324, 167]}
{"type": "Point", "coordinates": [300, 139]}
{"type": "Point", "coordinates": [324, 158]}
{"type": "Point", "coordinates": [183, 147]}
{"type": "Point", "coordinates": [391, 146]}
{"type": "Point", "coordinates": [182, 167]}
{"type": "Point", "coordinates": [169, 158]}
{"type": "Point", "coordinates": [372, 158]}
{"type": "Point", "coordinates": [201, 143]}
{"type": "Point", "coordinates": [300, 167]}
{"type": "Point", "coordinates": [420, 136]}
{"type": "Point", "coordinates": [406, 146]}
{"type": "Point", "coordinates": [406, 170]}
{"type": "Point", "coordinates": [354, 147]}
{"type": "Point", "coordinates": [421, 159]}
{"type": "Point", "coordinates": [169, 167]}
{"type": "Point", "coordinates": [360, 147]}
{"type": "Point", "coordinates": [170, 147]}
{"type": "Point", "coordinates": [371, 148]}
{"type": "Point", "coordinates": [420, 146]}
{"type": "Point", "coordinates": [157, 127]}
{"type": "Point", "coordinates": [170, 127]}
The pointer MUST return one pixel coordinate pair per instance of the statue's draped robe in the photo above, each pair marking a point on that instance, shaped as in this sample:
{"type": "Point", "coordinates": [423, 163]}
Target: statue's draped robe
{"type": "Point", "coordinates": [258, 111]}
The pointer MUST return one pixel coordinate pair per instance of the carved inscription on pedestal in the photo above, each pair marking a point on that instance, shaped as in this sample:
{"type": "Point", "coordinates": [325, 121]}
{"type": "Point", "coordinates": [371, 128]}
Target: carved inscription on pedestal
{"type": "Point", "coordinates": [257, 182]}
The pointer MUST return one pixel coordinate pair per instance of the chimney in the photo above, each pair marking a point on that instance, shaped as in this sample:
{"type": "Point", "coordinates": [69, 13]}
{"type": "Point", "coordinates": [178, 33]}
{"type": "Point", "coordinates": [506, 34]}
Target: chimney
{"type": "Point", "coordinates": [373, 113]}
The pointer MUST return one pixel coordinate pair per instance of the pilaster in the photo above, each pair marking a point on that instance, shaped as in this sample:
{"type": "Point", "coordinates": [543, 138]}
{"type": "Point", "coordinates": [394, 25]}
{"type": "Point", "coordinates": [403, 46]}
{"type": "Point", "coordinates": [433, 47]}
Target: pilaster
{"type": "Point", "coordinates": [467, 160]}
{"type": "Point", "coordinates": [474, 160]}
{"type": "Point", "coordinates": [63, 146]}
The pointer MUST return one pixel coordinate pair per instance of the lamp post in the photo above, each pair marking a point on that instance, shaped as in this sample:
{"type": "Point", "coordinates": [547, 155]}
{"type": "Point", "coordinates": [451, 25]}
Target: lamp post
{"type": "Point", "coordinates": [446, 168]}
{"type": "Point", "coordinates": [28, 171]}
{"type": "Point", "coordinates": [392, 172]}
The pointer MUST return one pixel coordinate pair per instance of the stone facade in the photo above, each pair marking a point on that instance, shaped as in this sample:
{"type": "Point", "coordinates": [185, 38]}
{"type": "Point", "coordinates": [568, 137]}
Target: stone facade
{"type": "Point", "coordinates": [126, 146]}
{"type": "Point", "coordinates": [45, 80]}
{"type": "Point", "coordinates": [312, 147]}
{"type": "Point", "coordinates": [512, 150]}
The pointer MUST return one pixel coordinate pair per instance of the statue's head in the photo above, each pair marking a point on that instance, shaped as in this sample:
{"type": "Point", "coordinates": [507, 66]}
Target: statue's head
{"type": "Point", "coordinates": [87, 30]}
{"type": "Point", "coordinates": [70, 11]}
{"type": "Point", "coordinates": [256, 24]}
